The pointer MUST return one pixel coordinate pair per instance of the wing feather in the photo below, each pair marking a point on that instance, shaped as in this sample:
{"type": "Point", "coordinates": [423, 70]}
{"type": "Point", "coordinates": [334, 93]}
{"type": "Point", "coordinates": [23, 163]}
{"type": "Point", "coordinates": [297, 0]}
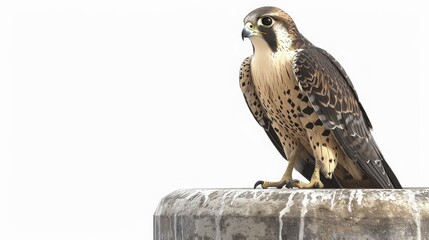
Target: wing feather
{"type": "Point", "coordinates": [335, 101]}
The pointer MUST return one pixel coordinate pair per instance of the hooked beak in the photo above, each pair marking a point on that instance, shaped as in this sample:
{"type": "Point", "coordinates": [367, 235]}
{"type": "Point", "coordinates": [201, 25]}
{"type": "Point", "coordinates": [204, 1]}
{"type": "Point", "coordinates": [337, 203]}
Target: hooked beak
{"type": "Point", "coordinates": [250, 30]}
{"type": "Point", "coordinates": [246, 33]}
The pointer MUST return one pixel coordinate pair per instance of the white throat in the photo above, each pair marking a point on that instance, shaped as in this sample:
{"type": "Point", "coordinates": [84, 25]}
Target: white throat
{"type": "Point", "coordinates": [270, 69]}
{"type": "Point", "coordinates": [267, 61]}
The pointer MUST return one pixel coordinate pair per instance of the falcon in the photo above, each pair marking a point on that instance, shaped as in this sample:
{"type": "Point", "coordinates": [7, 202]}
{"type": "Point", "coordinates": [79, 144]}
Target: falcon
{"type": "Point", "coordinates": [308, 107]}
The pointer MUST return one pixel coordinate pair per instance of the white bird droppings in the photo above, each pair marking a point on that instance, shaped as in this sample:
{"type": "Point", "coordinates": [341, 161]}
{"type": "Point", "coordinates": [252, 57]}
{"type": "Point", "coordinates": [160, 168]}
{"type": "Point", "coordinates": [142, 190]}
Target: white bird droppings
{"type": "Point", "coordinates": [285, 210]}
{"type": "Point", "coordinates": [218, 216]}
{"type": "Point", "coordinates": [352, 195]}
{"type": "Point", "coordinates": [302, 216]}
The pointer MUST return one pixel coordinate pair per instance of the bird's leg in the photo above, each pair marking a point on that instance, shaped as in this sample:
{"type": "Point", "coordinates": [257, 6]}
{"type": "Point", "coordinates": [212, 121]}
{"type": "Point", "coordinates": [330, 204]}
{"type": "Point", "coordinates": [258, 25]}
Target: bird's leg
{"type": "Point", "coordinates": [315, 179]}
{"type": "Point", "coordinates": [287, 176]}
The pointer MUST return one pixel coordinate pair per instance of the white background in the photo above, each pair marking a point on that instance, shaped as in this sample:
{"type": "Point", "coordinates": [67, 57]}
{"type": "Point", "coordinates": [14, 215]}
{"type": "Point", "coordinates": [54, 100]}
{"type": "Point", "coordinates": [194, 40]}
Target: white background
{"type": "Point", "coordinates": [106, 106]}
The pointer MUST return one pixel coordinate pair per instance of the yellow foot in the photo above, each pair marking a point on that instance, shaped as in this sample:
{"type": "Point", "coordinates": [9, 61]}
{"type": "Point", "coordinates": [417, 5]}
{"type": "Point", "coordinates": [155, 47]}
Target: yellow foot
{"type": "Point", "coordinates": [314, 183]}
{"type": "Point", "coordinates": [289, 183]}
{"type": "Point", "coordinates": [265, 184]}
{"type": "Point", "coordinates": [287, 176]}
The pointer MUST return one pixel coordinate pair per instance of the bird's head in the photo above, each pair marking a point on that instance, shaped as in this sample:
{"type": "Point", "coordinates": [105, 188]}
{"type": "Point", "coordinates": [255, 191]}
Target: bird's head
{"type": "Point", "coordinates": [270, 27]}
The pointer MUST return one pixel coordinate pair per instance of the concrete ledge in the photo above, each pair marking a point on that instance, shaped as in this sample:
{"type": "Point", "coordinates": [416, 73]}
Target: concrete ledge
{"type": "Point", "coordinates": [293, 214]}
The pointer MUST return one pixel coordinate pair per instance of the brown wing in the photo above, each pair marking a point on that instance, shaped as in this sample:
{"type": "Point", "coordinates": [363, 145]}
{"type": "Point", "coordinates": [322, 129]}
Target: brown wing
{"type": "Point", "coordinates": [335, 101]}
{"type": "Point", "coordinates": [258, 113]}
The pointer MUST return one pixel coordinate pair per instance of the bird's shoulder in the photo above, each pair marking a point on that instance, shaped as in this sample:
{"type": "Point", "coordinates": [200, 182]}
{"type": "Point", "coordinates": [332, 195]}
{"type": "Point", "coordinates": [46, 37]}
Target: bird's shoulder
{"type": "Point", "coordinates": [249, 93]}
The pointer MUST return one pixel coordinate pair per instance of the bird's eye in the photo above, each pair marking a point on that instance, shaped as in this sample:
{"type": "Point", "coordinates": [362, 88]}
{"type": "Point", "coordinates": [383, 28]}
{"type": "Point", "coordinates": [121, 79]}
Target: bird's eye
{"type": "Point", "coordinates": [267, 21]}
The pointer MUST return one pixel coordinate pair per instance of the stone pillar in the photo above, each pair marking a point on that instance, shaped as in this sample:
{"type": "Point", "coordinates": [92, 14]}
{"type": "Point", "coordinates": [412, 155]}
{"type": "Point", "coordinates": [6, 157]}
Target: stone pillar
{"type": "Point", "coordinates": [238, 214]}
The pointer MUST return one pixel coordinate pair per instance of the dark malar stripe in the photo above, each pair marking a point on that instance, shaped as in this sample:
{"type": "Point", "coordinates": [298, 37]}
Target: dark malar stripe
{"type": "Point", "coordinates": [271, 39]}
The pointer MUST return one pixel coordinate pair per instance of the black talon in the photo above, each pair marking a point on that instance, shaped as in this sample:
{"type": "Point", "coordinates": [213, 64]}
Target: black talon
{"type": "Point", "coordinates": [289, 183]}
{"type": "Point", "coordinates": [258, 183]}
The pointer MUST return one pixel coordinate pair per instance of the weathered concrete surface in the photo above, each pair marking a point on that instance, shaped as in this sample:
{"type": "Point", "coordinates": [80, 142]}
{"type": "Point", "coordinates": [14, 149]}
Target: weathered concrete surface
{"type": "Point", "coordinates": [239, 214]}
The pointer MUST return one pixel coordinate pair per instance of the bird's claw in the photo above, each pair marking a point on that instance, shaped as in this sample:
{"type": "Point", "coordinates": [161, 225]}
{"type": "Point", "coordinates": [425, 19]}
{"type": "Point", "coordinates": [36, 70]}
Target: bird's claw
{"type": "Point", "coordinates": [313, 184]}
{"type": "Point", "coordinates": [278, 185]}
{"type": "Point", "coordinates": [258, 183]}
{"type": "Point", "coordinates": [291, 183]}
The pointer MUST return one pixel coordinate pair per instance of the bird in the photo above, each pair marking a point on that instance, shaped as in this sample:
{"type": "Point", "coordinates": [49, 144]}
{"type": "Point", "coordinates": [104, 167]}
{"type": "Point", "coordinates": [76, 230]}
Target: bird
{"type": "Point", "coordinates": [306, 103]}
